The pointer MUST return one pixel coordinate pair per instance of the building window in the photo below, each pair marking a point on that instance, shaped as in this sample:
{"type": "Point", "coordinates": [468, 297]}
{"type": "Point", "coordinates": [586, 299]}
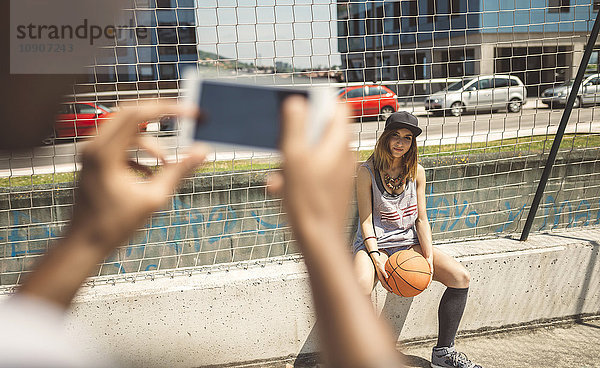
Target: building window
{"type": "Point", "coordinates": [412, 12]}
{"type": "Point", "coordinates": [454, 6]}
{"type": "Point", "coordinates": [430, 10]}
{"type": "Point", "coordinates": [559, 6]}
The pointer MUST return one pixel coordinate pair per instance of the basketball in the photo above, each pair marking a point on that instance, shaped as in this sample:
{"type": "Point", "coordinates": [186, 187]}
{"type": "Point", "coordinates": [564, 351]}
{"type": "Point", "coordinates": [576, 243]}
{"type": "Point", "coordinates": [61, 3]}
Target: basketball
{"type": "Point", "coordinates": [408, 273]}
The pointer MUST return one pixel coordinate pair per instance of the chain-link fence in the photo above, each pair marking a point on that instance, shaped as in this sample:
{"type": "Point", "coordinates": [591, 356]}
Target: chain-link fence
{"type": "Point", "coordinates": [487, 81]}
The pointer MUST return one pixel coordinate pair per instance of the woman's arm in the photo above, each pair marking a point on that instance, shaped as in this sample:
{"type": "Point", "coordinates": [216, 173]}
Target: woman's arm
{"type": "Point", "coordinates": [365, 215]}
{"type": "Point", "coordinates": [365, 207]}
{"type": "Point", "coordinates": [422, 223]}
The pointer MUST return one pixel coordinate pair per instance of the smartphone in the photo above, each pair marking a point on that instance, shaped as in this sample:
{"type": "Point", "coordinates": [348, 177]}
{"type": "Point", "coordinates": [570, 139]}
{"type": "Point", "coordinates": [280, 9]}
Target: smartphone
{"type": "Point", "coordinates": [249, 115]}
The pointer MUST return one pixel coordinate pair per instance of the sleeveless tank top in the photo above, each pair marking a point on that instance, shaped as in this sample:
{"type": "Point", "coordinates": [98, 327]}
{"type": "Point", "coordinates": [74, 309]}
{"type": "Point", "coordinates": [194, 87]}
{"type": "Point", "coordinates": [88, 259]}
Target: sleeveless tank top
{"type": "Point", "coordinates": [393, 215]}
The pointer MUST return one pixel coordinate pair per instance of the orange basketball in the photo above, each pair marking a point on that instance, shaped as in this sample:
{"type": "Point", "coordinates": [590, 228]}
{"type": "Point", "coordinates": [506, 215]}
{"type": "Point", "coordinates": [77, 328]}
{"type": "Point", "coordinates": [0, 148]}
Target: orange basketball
{"type": "Point", "coordinates": [408, 273]}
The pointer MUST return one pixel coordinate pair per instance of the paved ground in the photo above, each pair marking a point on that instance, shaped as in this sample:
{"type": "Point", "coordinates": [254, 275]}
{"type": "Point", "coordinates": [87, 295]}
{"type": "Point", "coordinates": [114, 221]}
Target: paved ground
{"type": "Point", "coordinates": [573, 345]}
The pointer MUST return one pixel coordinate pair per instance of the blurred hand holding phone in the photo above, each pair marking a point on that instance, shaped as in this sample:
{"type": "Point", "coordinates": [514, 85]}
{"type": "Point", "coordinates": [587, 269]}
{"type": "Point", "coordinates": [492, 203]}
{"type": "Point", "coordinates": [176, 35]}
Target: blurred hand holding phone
{"type": "Point", "coordinates": [250, 115]}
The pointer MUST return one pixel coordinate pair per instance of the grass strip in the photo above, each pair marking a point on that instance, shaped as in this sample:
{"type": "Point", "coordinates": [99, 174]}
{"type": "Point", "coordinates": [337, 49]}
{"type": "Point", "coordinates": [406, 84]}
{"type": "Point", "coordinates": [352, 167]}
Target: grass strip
{"type": "Point", "coordinates": [519, 146]}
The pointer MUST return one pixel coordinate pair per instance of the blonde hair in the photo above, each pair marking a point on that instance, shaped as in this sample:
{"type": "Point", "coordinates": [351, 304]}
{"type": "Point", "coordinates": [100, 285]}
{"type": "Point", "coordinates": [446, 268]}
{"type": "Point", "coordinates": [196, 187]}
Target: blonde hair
{"type": "Point", "coordinates": [382, 157]}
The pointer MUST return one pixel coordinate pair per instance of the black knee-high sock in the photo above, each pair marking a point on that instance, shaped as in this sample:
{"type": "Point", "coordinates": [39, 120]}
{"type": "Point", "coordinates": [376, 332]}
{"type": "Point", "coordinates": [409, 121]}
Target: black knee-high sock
{"type": "Point", "coordinates": [450, 311]}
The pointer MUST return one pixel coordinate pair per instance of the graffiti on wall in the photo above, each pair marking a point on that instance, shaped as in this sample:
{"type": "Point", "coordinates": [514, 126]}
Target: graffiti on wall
{"type": "Point", "coordinates": [184, 225]}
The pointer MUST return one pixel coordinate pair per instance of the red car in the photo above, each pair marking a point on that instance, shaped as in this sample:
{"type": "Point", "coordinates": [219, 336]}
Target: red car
{"type": "Point", "coordinates": [369, 100]}
{"type": "Point", "coordinates": [82, 119]}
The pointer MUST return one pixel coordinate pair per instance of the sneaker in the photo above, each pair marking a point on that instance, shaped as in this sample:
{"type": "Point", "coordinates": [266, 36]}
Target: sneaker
{"type": "Point", "coordinates": [450, 358]}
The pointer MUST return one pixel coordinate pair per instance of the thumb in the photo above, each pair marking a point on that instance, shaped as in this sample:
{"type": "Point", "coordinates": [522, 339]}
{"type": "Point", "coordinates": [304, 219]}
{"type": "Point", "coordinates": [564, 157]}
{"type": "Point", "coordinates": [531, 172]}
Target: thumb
{"type": "Point", "coordinates": [275, 184]}
{"type": "Point", "coordinates": [383, 271]}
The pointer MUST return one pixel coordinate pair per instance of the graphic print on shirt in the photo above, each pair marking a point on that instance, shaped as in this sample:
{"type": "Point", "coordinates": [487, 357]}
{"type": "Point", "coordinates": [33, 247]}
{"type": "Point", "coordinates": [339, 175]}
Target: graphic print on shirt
{"type": "Point", "coordinates": [392, 218]}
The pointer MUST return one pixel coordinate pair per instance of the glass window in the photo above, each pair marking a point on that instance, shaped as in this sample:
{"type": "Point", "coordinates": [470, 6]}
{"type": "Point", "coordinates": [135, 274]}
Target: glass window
{"type": "Point", "coordinates": [376, 91]}
{"type": "Point", "coordinates": [126, 73]}
{"type": "Point", "coordinates": [166, 3]}
{"type": "Point", "coordinates": [166, 17]}
{"type": "Point", "coordinates": [147, 72]}
{"type": "Point", "coordinates": [104, 107]}
{"type": "Point", "coordinates": [187, 53]}
{"type": "Point", "coordinates": [358, 92]}
{"type": "Point", "coordinates": [186, 3]}
{"type": "Point", "coordinates": [500, 82]}
{"type": "Point", "coordinates": [558, 6]}
{"type": "Point", "coordinates": [484, 84]}
{"type": "Point", "coordinates": [167, 35]}
{"type": "Point", "coordinates": [168, 71]}
{"type": "Point", "coordinates": [145, 18]}
{"type": "Point", "coordinates": [458, 85]}
{"type": "Point", "coordinates": [85, 109]}
{"type": "Point", "coordinates": [167, 53]}
{"type": "Point", "coordinates": [513, 82]}
{"type": "Point", "coordinates": [186, 17]}
{"type": "Point", "coordinates": [187, 35]}
{"type": "Point", "coordinates": [105, 74]}
{"type": "Point", "coordinates": [147, 54]}
{"type": "Point", "coordinates": [126, 55]}
{"type": "Point", "coordinates": [65, 109]}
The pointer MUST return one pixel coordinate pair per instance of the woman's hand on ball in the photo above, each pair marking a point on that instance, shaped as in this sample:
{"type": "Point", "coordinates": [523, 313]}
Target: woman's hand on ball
{"type": "Point", "coordinates": [379, 262]}
{"type": "Point", "coordinates": [430, 261]}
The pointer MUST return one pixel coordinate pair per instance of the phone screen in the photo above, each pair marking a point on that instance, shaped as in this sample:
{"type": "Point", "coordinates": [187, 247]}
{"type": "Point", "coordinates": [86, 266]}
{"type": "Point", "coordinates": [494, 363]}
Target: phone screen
{"type": "Point", "coordinates": [241, 114]}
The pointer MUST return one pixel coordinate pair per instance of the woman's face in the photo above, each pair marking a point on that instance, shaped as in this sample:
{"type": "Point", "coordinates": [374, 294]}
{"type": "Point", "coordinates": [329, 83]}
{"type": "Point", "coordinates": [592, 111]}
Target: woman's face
{"type": "Point", "coordinates": [400, 142]}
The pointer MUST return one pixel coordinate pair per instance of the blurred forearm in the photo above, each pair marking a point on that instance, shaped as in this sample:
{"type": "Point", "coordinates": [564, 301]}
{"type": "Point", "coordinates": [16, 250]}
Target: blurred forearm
{"type": "Point", "coordinates": [62, 271]}
{"type": "Point", "coordinates": [353, 334]}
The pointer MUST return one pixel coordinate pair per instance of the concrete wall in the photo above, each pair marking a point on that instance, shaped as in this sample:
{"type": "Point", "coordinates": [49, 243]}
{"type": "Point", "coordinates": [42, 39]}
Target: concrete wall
{"type": "Point", "coordinates": [229, 217]}
{"type": "Point", "coordinates": [237, 315]}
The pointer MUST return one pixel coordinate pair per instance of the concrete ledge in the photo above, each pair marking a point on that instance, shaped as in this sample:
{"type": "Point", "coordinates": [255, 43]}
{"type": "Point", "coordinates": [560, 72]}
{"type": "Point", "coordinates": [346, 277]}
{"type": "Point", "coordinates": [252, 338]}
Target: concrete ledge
{"type": "Point", "coordinates": [265, 312]}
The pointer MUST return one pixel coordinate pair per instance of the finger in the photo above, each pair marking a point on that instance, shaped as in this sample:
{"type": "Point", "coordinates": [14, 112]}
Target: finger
{"type": "Point", "coordinates": [385, 284]}
{"type": "Point", "coordinates": [293, 124]}
{"type": "Point", "coordinates": [336, 135]}
{"type": "Point", "coordinates": [383, 272]}
{"type": "Point", "coordinates": [275, 183]}
{"type": "Point", "coordinates": [172, 174]}
{"type": "Point", "coordinates": [118, 132]}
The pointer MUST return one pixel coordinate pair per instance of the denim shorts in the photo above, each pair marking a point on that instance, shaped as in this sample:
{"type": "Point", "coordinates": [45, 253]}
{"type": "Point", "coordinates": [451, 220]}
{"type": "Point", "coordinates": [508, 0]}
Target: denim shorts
{"type": "Point", "coordinates": [387, 250]}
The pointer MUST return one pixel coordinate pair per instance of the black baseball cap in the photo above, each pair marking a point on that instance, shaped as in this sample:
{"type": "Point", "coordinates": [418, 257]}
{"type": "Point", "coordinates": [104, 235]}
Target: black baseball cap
{"type": "Point", "coordinates": [403, 119]}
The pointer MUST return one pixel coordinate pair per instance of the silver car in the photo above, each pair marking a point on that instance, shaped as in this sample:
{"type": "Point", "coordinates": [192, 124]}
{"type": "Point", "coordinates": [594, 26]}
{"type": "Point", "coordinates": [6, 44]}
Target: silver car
{"type": "Point", "coordinates": [589, 92]}
{"type": "Point", "coordinates": [487, 92]}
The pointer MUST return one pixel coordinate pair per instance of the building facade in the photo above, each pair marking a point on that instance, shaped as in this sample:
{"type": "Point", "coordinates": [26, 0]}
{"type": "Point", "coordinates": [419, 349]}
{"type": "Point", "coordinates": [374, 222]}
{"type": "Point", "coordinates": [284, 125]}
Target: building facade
{"type": "Point", "coordinates": [539, 41]}
{"type": "Point", "coordinates": [167, 45]}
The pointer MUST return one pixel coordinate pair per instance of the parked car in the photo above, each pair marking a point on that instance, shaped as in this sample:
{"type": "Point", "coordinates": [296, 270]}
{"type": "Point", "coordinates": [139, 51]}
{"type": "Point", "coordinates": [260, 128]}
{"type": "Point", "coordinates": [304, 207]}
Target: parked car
{"type": "Point", "coordinates": [487, 92]}
{"type": "Point", "coordinates": [82, 119]}
{"type": "Point", "coordinates": [589, 92]}
{"type": "Point", "coordinates": [369, 100]}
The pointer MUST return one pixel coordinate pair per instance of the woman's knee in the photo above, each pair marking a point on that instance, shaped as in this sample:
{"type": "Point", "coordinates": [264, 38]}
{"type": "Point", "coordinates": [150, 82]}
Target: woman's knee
{"type": "Point", "coordinates": [365, 283]}
{"type": "Point", "coordinates": [463, 277]}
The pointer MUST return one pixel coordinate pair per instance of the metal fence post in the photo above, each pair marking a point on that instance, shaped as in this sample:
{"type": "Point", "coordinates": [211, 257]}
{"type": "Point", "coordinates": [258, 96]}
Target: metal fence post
{"type": "Point", "coordinates": [561, 129]}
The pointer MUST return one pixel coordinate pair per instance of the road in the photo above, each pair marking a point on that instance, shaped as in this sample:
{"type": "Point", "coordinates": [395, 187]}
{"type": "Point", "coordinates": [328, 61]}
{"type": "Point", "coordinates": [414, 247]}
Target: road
{"type": "Point", "coordinates": [534, 119]}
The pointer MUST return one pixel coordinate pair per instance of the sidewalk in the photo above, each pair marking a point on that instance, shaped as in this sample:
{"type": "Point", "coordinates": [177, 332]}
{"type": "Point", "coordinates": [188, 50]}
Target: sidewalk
{"type": "Point", "coordinates": [567, 345]}
{"type": "Point", "coordinates": [555, 346]}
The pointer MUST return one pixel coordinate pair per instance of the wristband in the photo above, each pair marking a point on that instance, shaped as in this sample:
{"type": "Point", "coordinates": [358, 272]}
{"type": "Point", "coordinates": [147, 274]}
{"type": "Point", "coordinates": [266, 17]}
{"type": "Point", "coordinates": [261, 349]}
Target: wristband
{"type": "Point", "coordinates": [374, 251]}
{"type": "Point", "coordinates": [369, 237]}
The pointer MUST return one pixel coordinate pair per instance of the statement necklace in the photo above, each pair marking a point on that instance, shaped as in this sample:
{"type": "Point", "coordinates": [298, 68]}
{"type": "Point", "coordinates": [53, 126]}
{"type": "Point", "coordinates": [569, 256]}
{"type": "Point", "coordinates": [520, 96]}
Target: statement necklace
{"type": "Point", "coordinates": [393, 183]}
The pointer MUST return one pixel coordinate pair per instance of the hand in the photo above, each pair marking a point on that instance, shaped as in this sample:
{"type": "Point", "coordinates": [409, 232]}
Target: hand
{"type": "Point", "coordinates": [430, 261]}
{"type": "Point", "coordinates": [316, 181]}
{"type": "Point", "coordinates": [379, 262]}
{"type": "Point", "coordinates": [111, 200]}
